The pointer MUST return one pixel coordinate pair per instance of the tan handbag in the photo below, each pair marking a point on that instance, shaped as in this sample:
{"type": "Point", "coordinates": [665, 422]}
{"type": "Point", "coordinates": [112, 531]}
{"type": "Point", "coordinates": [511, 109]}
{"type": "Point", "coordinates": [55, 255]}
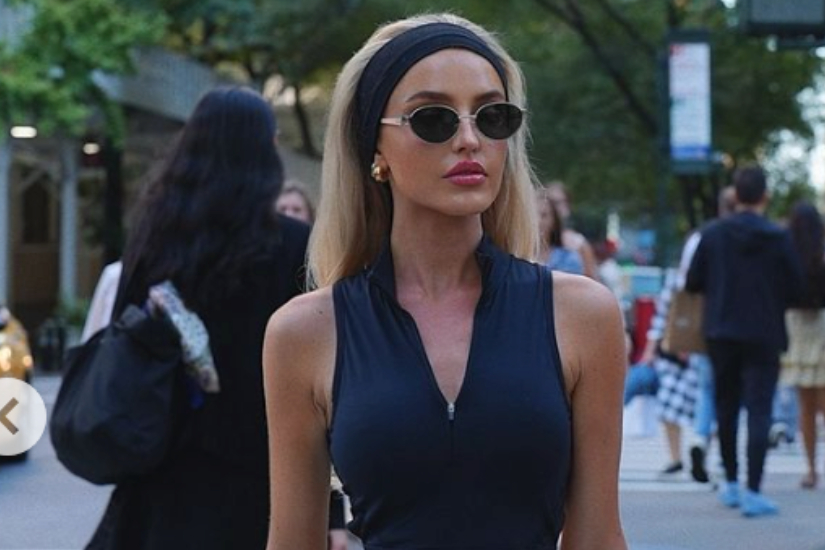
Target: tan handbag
{"type": "Point", "coordinates": [683, 327]}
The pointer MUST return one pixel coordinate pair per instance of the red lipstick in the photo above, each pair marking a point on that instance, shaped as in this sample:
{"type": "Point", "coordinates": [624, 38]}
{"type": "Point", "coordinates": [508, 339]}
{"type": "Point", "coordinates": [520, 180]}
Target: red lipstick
{"type": "Point", "coordinates": [467, 172]}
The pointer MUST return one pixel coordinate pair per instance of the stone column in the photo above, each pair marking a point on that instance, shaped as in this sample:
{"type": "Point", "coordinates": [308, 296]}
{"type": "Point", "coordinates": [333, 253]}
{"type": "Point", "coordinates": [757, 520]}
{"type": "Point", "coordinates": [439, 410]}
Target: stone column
{"type": "Point", "coordinates": [5, 222]}
{"type": "Point", "coordinates": [68, 219]}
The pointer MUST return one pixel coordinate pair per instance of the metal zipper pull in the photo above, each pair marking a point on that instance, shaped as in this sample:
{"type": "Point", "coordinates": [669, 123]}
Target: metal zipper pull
{"type": "Point", "coordinates": [451, 411]}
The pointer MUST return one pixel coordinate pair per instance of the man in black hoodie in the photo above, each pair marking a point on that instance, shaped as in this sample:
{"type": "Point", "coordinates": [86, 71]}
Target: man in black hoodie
{"type": "Point", "coordinates": [748, 271]}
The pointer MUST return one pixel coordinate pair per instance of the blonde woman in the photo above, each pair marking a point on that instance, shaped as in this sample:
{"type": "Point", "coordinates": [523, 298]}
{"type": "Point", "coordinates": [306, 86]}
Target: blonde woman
{"type": "Point", "coordinates": [467, 397]}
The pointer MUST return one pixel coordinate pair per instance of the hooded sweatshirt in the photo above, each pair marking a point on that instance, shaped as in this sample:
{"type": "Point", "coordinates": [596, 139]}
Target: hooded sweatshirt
{"type": "Point", "coordinates": [750, 274]}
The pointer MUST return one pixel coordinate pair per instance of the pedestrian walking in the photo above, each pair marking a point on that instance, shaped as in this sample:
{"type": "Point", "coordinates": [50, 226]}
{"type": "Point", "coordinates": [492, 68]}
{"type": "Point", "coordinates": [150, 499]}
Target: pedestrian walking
{"type": "Point", "coordinates": [467, 397]}
{"type": "Point", "coordinates": [206, 223]}
{"type": "Point", "coordinates": [749, 274]}
{"type": "Point", "coordinates": [677, 382]}
{"type": "Point", "coordinates": [704, 417]}
{"type": "Point", "coordinates": [803, 366]}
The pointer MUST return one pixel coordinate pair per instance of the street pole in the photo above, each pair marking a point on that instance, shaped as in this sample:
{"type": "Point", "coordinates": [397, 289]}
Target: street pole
{"type": "Point", "coordinates": [662, 151]}
{"type": "Point", "coordinates": [68, 219]}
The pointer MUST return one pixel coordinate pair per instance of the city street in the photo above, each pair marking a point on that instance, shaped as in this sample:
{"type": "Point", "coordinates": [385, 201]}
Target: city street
{"type": "Point", "coordinates": [43, 507]}
{"type": "Point", "coordinates": [679, 514]}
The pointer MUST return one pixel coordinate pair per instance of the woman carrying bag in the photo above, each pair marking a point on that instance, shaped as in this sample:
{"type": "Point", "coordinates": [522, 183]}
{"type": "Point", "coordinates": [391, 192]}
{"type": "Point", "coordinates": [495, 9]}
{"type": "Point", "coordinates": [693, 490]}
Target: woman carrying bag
{"type": "Point", "coordinates": [206, 223]}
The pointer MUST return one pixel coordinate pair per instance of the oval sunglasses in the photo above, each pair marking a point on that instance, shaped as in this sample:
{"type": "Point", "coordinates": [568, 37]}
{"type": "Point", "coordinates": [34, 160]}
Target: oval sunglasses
{"type": "Point", "coordinates": [439, 123]}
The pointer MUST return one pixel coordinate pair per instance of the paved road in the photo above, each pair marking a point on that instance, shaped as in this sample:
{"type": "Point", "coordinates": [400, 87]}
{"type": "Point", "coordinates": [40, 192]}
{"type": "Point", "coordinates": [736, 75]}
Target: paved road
{"type": "Point", "coordinates": [675, 513]}
{"type": "Point", "coordinates": [43, 507]}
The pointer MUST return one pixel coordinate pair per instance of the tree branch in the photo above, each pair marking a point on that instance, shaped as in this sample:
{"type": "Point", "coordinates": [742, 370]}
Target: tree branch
{"type": "Point", "coordinates": [628, 28]}
{"type": "Point", "coordinates": [556, 10]}
{"type": "Point", "coordinates": [575, 19]}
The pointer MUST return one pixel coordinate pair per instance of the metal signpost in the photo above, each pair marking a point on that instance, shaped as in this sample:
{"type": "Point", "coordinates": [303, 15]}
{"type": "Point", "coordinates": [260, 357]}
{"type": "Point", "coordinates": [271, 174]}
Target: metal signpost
{"type": "Point", "coordinates": [689, 90]}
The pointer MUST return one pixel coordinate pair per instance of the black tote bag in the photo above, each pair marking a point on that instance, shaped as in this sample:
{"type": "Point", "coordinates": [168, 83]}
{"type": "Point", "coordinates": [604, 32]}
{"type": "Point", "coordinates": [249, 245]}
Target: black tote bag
{"type": "Point", "coordinates": [113, 418]}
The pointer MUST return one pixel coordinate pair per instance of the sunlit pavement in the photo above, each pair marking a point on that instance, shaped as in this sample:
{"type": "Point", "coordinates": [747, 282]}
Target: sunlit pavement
{"type": "Point", "coordinates": [676, 513]}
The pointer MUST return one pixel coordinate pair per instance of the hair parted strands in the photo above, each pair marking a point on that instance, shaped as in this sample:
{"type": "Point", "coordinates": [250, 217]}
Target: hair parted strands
{"type": "Point", "coordinates": [355, 212]}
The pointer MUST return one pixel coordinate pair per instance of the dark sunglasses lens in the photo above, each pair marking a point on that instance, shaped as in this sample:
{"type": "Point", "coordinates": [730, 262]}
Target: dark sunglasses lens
{"type": "Point", "coordinates": [499, 120]}
{"type": "Point", "coordinates": [434, 124]}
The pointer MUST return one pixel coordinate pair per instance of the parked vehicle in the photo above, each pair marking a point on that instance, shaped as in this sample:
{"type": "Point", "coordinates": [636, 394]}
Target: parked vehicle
{"type": "Point", "coordinates": [15, 357]}
{"type": "Point", "coordinates": [15, 353]}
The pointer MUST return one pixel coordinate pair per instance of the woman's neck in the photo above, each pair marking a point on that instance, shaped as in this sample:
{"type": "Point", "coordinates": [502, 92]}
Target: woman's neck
{"type": "Point", "coordinates": [432, 259]}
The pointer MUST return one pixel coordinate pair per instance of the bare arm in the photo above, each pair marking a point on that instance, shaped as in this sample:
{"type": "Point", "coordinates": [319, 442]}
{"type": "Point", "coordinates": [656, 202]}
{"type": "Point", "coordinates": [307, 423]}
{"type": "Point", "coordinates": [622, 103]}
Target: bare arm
{"type": "Point", "coordinates": [592, 346]}
{"type": "Point", "coordinates": [298, 356]}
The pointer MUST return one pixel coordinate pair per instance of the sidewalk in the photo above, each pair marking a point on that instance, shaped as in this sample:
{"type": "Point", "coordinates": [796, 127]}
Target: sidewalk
{"type": "Point", "coordinates": [676, 513]}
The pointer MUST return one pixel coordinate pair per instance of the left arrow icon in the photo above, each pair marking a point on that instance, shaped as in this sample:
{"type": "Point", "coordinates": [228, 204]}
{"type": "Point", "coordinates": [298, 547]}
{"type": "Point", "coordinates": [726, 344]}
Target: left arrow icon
{"type": "Point", "coordinates": [22, 417]}
{"type": "Point", "coordinates": [7, 408]}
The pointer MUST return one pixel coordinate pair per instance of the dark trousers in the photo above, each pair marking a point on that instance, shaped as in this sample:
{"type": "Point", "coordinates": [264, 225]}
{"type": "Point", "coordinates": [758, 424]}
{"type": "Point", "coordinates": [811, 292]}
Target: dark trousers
{"type": "Point", "coordinates": [745, 375]}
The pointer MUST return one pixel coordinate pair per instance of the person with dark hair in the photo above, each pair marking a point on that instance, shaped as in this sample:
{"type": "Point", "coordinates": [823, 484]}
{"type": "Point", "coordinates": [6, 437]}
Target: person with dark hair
{"type": "Point", "coordinates": [803, 366]}
{"type": "Point", "coordinates": [704, 419]}
{"type": "Point", "coordinates": [467, 396]}
{"type": "Point", "coordinates": [207, 224]}
{"type": "Point", "coordinates": [552, 252]}
{"type": "Point", "coordinates": [749, 273]}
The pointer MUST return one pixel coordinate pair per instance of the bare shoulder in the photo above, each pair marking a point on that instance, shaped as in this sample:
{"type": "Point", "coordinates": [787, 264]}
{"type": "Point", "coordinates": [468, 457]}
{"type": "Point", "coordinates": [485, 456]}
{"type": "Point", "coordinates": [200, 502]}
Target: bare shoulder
{"type": "Point", "coordinates": [581, 299]}
{"type": "Point", "coordinates": [589, 326]}
{"type": "Point", "coordinates": [299, 345]}
{"type": "Point", "coordinates": [303, 319]}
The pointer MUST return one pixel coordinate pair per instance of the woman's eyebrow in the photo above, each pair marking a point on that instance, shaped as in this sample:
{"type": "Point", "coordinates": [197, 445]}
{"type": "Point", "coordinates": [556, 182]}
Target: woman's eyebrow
{"type": "Point", "coordinates": [427, 95]}
{"type": "Point", "coordinates": [430, 95]}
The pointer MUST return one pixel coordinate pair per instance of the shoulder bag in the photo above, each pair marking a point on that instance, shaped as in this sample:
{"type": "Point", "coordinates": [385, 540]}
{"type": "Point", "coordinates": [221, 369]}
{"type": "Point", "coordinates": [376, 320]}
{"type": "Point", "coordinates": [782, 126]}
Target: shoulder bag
{"type": "Point", "coordinates": [683, 327]}
{"type": "Point", "coordinates": [113, 418]}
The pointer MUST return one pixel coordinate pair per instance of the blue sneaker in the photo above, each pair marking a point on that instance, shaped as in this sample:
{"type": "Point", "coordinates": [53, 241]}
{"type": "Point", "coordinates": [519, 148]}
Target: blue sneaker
{"type": "Point", "coordinates": [756, 505]}
{"type": "Point", "coordinates": [729, 494]}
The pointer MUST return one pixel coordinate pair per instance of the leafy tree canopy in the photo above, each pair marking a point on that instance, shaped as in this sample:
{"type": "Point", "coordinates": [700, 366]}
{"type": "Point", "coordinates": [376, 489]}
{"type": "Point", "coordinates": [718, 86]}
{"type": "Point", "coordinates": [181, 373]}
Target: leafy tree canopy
{"type": "Point", "coordinates": [595, 109]}
{"type": "Point", "coordinates": [46, 79]}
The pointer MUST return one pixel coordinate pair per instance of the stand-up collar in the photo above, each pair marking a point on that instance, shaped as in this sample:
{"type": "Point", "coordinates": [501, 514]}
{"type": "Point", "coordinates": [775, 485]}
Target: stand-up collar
{"type": "Point", "coordinates": [492, 261]}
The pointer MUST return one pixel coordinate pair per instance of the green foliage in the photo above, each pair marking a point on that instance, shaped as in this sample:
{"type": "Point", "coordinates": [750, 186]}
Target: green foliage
{"type": "Point", "coordinates": [299, 41]}
{"type": "Point", "coordinates": [585, 130]}
{"type": "Point", "coordinates": [28, 95]}
{"type": "Point", "coordinates": [303, 43]}
{"type": "Point", "coordinates": [47, 79]}
{"type": "Point", "coordinates": [595, 109]}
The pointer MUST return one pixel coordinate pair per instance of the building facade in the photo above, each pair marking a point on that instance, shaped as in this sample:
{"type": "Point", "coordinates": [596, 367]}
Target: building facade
{"type": "Point", "coordinates": [51, 190]}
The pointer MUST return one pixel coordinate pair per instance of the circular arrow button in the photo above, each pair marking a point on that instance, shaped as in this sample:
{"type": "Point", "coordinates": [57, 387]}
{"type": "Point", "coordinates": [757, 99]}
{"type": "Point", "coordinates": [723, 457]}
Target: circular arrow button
{"type": "Point", "coordinates": [22, 417]}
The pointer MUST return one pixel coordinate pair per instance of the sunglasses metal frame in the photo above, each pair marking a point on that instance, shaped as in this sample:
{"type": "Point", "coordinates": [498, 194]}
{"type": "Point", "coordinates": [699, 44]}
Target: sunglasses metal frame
{"type": "Point", "coordinates": [405, 120]}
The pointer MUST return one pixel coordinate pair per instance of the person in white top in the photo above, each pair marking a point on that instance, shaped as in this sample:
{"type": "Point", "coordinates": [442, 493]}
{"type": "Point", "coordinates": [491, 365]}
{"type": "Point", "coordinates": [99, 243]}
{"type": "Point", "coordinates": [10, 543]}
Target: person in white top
{"type": "Point", "coordinates": [103, 300]}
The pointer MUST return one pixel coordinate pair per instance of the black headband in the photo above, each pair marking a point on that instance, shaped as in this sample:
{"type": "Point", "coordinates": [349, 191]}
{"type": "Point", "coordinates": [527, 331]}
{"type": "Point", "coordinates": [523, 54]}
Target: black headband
{"type": "Point", "coordinates": [393, 60]}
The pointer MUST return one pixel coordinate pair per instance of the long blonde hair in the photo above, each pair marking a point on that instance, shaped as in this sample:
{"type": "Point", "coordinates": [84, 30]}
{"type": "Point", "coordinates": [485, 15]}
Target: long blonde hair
{"type": "Point", "coordinates": [354, 216]}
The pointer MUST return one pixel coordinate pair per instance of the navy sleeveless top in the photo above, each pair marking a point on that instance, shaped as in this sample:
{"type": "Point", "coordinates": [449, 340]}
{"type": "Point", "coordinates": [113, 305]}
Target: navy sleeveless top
{"type": "Point", "coordinates": [488, 472]}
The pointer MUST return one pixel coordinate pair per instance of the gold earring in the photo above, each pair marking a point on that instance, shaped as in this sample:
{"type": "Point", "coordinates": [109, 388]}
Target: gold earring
{"type": "Point", "coordinates": [378, 173]}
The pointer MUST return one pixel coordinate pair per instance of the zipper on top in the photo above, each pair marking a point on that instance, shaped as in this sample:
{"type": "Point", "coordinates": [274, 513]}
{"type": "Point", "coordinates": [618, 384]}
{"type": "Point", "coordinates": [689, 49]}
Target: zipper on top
{"type": "Point", "coordinates": [451, 422]}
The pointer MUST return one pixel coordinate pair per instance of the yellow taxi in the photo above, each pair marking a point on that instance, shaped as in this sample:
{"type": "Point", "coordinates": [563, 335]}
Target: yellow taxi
{"type": "Point", "coordinates": [15, 353]}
